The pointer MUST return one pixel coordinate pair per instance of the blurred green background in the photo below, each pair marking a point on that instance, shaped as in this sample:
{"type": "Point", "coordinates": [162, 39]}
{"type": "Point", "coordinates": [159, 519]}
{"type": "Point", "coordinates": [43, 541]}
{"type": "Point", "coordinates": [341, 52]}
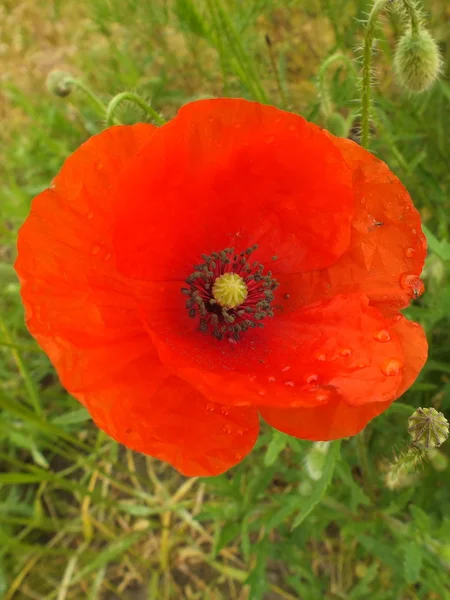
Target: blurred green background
{"type": "Point", "coordinates": [81, 517]}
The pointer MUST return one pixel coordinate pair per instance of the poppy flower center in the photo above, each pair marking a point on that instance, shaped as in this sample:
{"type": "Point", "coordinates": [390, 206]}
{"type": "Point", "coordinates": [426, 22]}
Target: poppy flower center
{"type": "Point", "coordinates": [229, 294]}
{"type": "Point", "coordinates": [230, 290]}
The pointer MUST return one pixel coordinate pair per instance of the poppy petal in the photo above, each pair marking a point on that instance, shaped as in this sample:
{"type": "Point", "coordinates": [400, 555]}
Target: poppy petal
{"type": "Point", "coordinates": [415, 350]}
{"type": "Point", "coordinates": [387, 248]}
{"type": "Point", "coordinates": [232, 173]}
{"type": "Point", "coordinates": [303, 358]}
{"type": "Point", "coordinates": [338, 419]}
{"type": "Point", "coordinates": [173, 422]}
{"type": "Point", "coordinates": [77, 307]}
{"type": "Point", "coordinates": [329, 422]}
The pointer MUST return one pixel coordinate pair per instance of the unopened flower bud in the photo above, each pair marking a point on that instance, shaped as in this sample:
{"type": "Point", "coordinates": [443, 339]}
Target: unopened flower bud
{"type": "Point", "coordinates": [337, 125]}
{"type": "Point", "coordinates": [60, 83]}
{"type": "Point", "coordinates": [428, 428]}
{"type": "Point", "coordinates": [417, 61]}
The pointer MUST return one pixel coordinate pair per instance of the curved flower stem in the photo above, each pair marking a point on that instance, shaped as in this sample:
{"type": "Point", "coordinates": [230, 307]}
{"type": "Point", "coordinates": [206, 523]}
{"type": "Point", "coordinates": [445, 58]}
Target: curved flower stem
{"type": "Point", "coordinates": [324, 88]}
{"type": "Point", "coordinates": [364, 463]}
{"type": "Point", "coordinates": [367, 70]}
{"type": "Point", "coordinates": [89, 93]}
{"type": "Point", "coordinates": [131, 97]}
{"type": "Point", "coordinates": [372, 21]}
{"type": "Point", "coordinates": [413, 14]}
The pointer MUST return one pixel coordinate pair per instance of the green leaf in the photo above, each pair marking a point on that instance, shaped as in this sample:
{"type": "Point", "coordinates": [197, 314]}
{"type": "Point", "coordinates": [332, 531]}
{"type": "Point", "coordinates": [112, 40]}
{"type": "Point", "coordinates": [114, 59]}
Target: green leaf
{"type": "Point", "coordinates": [111, 552]}
{"type": "Point", "coordinates": [16, 478]}
{"type": "Point", "coordinates": [257, 580]}
{"type": "Point", "coordinates": [421, 519]}
{"type": "Point", "coordinates": [73, 417]}
{"type": "Point", "coordinates": [307, 505]}
{"type": "Point", "coordinates": [357, 495]}
{"type": "Point", "coordinates": [226, 534]}
{"type": "Point", "coordinates": [189, 18]}
{"type": "Point", "coordinates": [412, 562]}
{"type": "Point", "coordinates": [440, 247]}
{"type": "Point", "coordinates": [362, 589]}
{"type": "Point", "coordinates": [276, 446]}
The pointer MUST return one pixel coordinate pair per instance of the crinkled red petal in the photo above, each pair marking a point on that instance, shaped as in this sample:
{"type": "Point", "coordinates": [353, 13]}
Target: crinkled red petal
{"type": "Point", "coordinates": [387, 247]}
{"type": "Point", "coordinates": [300, 358]}
{"type": "Point", "coordinates": [232, 173]}
{"type": "Point", "coordinates": [81, 311]}
{"type": "Point", "coordinates": [172, 422]}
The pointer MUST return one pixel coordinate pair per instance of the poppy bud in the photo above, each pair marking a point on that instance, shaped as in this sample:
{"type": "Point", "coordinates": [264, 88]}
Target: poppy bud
{"type": "Point", "coordinates": [428, 428]}
{"type": "Point", "coordinates": [417, 61]}
{"type": "Point", "coordinates": [337, 125]}
{"type": "Point", "coordinates": [60, 83]}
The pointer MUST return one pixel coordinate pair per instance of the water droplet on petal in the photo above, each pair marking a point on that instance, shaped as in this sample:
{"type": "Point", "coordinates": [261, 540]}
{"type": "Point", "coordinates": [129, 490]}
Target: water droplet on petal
{"type": "Point", "coordinates": [107, 256]}
{"type": "Point", "coordinates": [262, 392]}
{"type": "Point", "coordinates": [240, 432]}
{"type": "Point", "coordinates": [271, 379]}
{"type": "Point", "coordinates": [285, 369]}
{"type": "Point", "coordinates": [409, 252]}
{"type": "Point", "coordinates": [382, 336]}
{"type": "Point", "coordinates": [210, 407]}
{"type": "Point", "coordinates": [227, 429]}
{"type": "Point", "coordinates": [238, 456]}
{"type": "Point", "coordinates": [224, 410]}
{"type": "Point", "coordinates": [320, 356]}
{"type": "Point", "coordinates": [289, 383]}
{"type": "Point", "coordinates": [414, 324]}
{"type": "Point", "coordinates": [95, 249]}
{"type": "Point", "coordinates": [409, 281]}
{"type": "Point", "coordinates": [346, 352]}
{"type": "Point", "coordinates": [312, 378]}
{"type": "Point", "coordinates": [392, 366]}
{"type": "Point", "coordinates": [323, 395]}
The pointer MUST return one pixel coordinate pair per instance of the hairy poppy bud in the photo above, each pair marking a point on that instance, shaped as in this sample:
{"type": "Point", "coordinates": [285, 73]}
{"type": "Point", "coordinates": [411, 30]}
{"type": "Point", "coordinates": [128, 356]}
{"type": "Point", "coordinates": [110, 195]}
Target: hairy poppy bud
{"type": "Point", "coordinates": [60, 83]}
{"type": "Point", "coordinates": [417, 60]}
{"type": "Point", "coordinates": [337, 125]}
{"type": "Point", "coordinates": [428, 428]}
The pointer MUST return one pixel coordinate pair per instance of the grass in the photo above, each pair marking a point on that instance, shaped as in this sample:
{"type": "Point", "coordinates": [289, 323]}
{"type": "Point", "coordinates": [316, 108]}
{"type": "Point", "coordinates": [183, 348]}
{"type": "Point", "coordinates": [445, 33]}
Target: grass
{"type": "Point", "coordinates": [81, 517]}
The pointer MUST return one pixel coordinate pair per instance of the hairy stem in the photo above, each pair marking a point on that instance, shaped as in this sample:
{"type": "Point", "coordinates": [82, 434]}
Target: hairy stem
{"type": "Point", "coordinates": [89, 93]}
{"type": "Point", "coordinates": [324, 87]}
{"type": "Point", "coordinates": [378, 6]}
{"type": "Point", "coordinates": [131, 97]}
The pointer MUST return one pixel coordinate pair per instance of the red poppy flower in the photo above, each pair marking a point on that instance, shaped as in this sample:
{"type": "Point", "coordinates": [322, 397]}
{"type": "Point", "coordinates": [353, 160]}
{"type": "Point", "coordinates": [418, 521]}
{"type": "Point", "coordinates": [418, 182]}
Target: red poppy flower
{"type": "Point", "coordinates": [238, 260]}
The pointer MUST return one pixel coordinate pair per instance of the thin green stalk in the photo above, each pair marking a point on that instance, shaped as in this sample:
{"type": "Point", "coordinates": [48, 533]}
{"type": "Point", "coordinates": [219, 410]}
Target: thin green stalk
{"type": "Point", "coordinates": [413, 15]}
{"type": "Point", "coordinates": [219, 45]}
{"type": "Point", "coordinates": [32, 393]}
{"type": "Point", "coordinates": [89, 93]}
{"type": "Point", "coordinates": [324, 88]}
{"type": "Point", "coordinates": [276, 71]}
{"type": "Point", "coordinates": [130, 97]}
{"type": "Point", "coordinates": [364, 463]}
{"type": "Point", "coordinates": [372, 21]}
{"type": "Point", "coordinates": [240, 53]}
{"type": "Point", "coordinates": [367, 70]}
